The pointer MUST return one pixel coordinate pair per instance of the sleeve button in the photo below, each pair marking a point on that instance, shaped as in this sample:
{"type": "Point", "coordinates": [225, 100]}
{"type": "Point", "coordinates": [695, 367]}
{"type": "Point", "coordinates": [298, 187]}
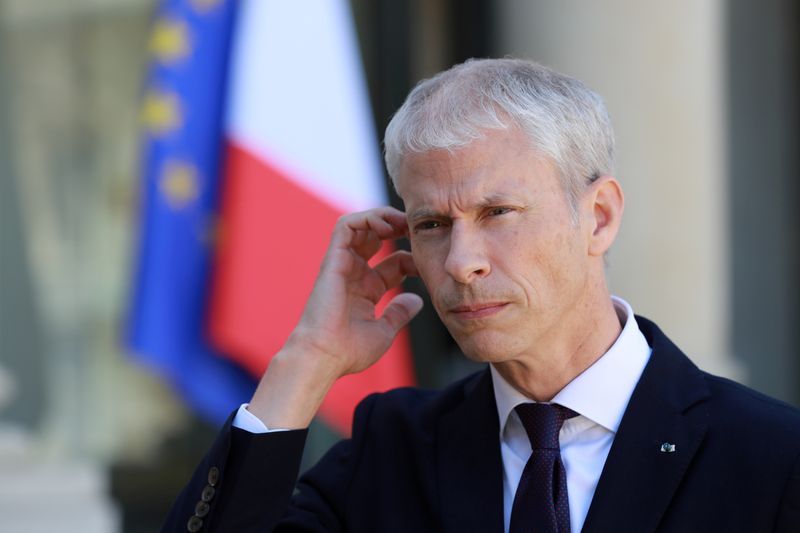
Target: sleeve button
{"type": "Point", "coordinates": [213, 476]}
{"type": "Point", "coordinates": [194, 524]}
{"type": "Point", "coordinates": [201, 509]}
{"type": "Point", "coordinates": [208, 493]}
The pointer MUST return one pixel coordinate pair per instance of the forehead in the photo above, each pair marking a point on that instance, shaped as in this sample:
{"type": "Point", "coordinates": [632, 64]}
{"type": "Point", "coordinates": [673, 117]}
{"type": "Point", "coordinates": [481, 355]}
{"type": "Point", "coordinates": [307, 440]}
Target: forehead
{"type": "Point", "coordinates": [502, 164]}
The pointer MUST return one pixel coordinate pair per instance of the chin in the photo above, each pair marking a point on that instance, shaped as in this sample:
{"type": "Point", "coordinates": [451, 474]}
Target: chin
{"type": "Point", "coordinates": [486, 348]}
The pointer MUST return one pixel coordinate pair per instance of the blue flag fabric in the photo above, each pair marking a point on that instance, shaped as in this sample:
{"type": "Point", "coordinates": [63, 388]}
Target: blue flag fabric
{"type": "Point", "coordinates": [182, 112]}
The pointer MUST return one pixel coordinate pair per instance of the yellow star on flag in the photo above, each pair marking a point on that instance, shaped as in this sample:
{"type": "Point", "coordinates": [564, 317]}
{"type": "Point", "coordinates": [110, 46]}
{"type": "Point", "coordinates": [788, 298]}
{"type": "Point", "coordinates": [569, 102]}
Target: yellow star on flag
{"type": "Point", "coordinates": [169, 40]}
{"type": "Point", "coordinates": [179, 183]}
{"type": "Point", "coordinates": [161, 112]}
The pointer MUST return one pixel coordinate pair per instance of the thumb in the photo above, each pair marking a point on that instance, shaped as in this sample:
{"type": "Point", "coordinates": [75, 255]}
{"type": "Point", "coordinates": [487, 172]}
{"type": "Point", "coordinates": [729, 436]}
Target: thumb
{"type": "Point", "coordinates": [401, 310]}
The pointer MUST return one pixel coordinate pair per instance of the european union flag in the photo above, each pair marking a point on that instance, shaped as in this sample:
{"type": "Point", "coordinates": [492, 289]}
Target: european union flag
{"type": "Point", "coordinates": [183, 118]}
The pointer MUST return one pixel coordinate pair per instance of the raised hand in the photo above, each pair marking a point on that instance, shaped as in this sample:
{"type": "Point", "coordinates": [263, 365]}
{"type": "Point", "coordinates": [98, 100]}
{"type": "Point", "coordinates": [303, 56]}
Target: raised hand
{"type": "Point", "coordinates": [339, 321]}
{"type": "Point", "coordinates": [339, 332]}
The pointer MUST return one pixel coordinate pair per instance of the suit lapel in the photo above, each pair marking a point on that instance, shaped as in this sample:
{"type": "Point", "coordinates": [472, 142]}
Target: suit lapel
{"type": "Point", "coordinates": [638, 479]}
{"type": "Point", "coordinates": [469, 465]}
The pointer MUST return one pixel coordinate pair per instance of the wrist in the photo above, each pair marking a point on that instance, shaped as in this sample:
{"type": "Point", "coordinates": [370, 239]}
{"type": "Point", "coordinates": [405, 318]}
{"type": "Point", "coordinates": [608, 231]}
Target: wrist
{"type": "Point", "coordinates": [293, 387]}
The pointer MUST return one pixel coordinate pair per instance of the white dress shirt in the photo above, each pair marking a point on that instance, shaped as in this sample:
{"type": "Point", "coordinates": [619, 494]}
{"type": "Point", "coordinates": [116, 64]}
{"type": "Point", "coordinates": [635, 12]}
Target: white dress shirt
{"type": "Point", "coordinates": [599, 395]}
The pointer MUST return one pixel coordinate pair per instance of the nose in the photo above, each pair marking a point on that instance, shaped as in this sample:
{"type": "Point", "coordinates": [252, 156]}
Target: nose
{"type": "Point", "coordinates": [466, 259]}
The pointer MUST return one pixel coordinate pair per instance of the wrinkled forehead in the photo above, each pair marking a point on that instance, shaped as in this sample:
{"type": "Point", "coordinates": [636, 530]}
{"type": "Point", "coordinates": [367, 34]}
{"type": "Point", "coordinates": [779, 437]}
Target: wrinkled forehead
{"type": "Point", "coordinates": [506, 151]}
{"type": "Point", "coordinates": [489, 171]}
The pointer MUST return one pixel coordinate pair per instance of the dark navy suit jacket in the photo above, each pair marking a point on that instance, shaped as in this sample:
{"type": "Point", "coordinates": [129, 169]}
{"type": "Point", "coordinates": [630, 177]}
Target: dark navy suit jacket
{"type": "Point", "coordinates": [430, 461]}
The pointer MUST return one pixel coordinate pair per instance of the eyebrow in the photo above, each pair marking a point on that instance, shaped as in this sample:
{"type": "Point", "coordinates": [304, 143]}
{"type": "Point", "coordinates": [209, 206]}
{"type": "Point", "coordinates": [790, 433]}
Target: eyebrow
{"type": "Point", "coordinates": [423, 213]}
{"type": "Point", "coordinates": [486, 201]}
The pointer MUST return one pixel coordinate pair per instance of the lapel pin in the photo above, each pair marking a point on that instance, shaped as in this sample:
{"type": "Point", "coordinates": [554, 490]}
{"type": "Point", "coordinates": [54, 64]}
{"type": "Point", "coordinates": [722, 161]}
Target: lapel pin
{"type": "Point", "coordinates": [668, 447]}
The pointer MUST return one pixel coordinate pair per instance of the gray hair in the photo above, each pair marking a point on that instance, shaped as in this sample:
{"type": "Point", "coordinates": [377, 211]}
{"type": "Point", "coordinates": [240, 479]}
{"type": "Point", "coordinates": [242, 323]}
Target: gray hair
{"type": "Point", "coordinates": [564, 120]}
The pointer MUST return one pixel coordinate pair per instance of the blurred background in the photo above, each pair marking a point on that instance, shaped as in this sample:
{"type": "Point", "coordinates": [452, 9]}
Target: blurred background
{"type": "Point", "coordinates": [99, 430]}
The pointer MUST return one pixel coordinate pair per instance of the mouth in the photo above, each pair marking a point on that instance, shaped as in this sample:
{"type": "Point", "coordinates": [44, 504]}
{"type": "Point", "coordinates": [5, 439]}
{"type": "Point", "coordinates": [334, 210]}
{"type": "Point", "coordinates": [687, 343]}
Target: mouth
{"type": "Point", "coordinates": [473, 311]}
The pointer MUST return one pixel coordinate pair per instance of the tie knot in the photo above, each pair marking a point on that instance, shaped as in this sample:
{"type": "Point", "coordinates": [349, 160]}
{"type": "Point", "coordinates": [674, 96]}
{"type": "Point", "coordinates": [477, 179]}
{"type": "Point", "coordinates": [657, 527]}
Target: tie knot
{"type": "Point", "coordinates": [542, 422]}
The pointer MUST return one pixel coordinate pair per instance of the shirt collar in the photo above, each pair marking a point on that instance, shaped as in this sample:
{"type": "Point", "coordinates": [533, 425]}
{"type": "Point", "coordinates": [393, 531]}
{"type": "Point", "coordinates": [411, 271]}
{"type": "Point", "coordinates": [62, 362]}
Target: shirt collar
{"type": "Point", "coordinates": [602, 391]}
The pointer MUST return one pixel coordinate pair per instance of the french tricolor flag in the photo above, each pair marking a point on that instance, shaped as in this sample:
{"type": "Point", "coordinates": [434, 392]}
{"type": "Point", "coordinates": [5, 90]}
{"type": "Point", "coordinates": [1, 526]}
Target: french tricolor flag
{"type": "Point", "coordinates": [300, 151]}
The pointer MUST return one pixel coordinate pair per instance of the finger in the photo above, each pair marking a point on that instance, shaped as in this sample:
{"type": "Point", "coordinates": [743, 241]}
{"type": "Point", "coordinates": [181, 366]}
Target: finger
{"type": "Point", "coordinates": [395, 268]}
{"type": "Point", "coordinates": [385, 222]}
{"type": "Point", "coordinates": [384, 225]}
{"type": "Point", "coordinates": [401, 310]}
{"type": "Point", "coordinates": [380, 219]}
{"type": "Point", "coordinates": [365, 243]}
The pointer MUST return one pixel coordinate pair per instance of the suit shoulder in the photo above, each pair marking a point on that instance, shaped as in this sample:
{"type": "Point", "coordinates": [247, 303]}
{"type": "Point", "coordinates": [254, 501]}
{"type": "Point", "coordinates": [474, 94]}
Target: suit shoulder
{"type": "Point", "coordinates": [737, 410]}
{"type": "Point", "coordinates": [747, 408]}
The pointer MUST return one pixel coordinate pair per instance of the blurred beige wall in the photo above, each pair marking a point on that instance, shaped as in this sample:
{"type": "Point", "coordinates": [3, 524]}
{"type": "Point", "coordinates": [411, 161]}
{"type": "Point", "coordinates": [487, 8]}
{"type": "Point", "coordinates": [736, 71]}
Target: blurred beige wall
{"type": "Point", "coordinates": [660, 68]}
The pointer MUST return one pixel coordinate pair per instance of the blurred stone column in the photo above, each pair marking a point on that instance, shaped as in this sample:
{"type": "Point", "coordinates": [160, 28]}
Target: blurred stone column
{"type": "Point", "coordinates": [22, 384]}
{"type": "Point", "coordinates": [74, 70]}
{"type": "Point", "coordinates": [660, 68]}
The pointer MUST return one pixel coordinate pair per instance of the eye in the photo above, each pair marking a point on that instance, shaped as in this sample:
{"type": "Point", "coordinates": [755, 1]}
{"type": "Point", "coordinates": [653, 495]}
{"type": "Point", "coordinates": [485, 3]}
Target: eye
{"type": "Point", "coordinates": [495, 211]}
{"type": "Point", "coordinates": [427, 225]}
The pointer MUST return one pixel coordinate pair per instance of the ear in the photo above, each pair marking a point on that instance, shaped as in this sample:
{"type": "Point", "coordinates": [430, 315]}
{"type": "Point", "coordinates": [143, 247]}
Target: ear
{"type": "Point", "coordinates": [604, 205]}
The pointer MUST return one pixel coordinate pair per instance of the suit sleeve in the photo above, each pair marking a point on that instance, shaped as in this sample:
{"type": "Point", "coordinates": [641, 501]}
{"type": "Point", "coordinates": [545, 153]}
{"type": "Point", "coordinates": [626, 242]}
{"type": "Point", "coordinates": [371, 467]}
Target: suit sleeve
{"type": "Point", "coordinates": [321, 501]}
{"type": "Point", "coordinates": [789, 512]}
{"type": "Point", "coordinates": [244, 483]}
{"type": "Point", "coordinates": [255, 485]}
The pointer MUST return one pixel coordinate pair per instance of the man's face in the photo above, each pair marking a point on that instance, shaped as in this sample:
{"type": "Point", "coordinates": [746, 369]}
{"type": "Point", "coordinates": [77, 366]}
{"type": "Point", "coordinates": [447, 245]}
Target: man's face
{"type": "Point", "coordinates": [493, 240]}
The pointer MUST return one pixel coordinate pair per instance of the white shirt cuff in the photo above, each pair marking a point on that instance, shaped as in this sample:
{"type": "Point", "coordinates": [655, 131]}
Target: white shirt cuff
{"type": "Point", "coordinates": [247, 421]}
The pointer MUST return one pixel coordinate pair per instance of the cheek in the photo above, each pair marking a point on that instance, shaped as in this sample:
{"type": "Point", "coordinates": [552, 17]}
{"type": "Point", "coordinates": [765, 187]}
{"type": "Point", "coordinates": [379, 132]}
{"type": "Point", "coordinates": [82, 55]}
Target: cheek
{"type": "Point", "coordinates": [540, 261]}
{"type": "Point", "coordinates": [427, 261]}
{"type": "Point", "coordinates": [565, 266]}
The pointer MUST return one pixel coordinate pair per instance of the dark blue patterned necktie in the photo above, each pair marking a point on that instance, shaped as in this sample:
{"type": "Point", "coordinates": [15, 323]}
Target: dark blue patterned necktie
{"type": "Point", "coordinates": [541, 504]}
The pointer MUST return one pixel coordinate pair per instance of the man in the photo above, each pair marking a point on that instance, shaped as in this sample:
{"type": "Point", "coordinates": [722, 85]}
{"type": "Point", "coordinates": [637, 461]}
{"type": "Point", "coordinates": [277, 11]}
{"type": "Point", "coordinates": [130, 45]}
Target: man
{"type": "Point", "coordinates": [587, 418]}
